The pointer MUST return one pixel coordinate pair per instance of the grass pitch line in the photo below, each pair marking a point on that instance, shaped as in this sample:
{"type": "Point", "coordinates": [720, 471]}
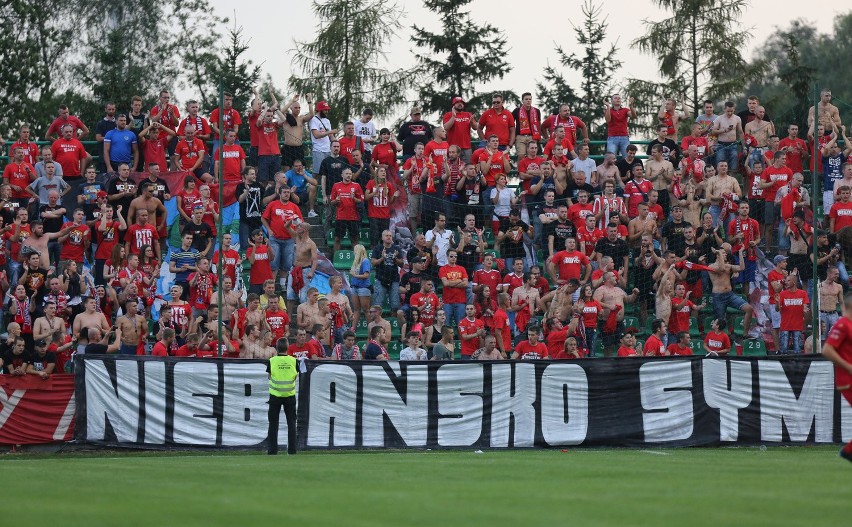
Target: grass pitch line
{"type": "Point", "coordinates": [656, 452]}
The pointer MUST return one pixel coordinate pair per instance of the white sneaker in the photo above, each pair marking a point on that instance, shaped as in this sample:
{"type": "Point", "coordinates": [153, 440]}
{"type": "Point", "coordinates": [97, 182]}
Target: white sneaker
{"type": "Point", "coordinates": [312, 213]}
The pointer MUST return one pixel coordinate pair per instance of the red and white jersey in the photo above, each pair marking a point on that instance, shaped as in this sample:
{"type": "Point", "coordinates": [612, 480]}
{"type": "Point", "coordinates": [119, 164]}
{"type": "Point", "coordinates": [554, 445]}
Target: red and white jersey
{"type": "Point", "coordinates": [611, 208]}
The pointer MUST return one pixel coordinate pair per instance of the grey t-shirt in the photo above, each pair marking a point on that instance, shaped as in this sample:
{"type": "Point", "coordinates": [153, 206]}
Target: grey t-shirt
{"type": "Point", "coordinates": [42, 186]}
{"type": "Point", "coordinates": [440, 352]}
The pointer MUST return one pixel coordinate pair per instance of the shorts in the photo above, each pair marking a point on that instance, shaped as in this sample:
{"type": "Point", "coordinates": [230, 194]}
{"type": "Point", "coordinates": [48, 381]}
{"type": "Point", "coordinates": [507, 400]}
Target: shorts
{"type": "Point", "coordinates": [757, 209]}
{"type": "Point", "coordinates": [292, 153]}
{"type": "Point", "coordinates": [341, 227]}
{"type": "Point", "coordinates": [362, 291]}
{"type": "Point", "coordinates": [722, 301]}
{"type": "Point", "coordinates": [414, 205]}
{"type": "Point", "coordinates": [771, 214]}
{"type": "Point", "coordinates": [775, 317]}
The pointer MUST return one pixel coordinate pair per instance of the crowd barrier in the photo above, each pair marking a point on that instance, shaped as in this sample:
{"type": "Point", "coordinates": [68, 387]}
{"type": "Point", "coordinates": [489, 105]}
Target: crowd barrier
{"type": "Point", "coordinates": [144, 402]}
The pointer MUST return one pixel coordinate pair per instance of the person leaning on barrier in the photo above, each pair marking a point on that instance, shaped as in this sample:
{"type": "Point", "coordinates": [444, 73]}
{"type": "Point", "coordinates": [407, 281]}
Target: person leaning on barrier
{"type": "Point", "coordinates": [282, 370]}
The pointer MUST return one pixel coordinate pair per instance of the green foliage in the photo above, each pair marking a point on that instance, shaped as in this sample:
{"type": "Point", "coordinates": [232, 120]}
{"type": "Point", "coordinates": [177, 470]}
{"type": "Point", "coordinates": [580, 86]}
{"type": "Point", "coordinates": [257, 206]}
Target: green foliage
{"type": "Point", "coordinates": [458, 59]}
{"type": "Point", "coordinates": [345, 64]}
{"type": "Point", "coordinates": [596, 66]}
{"type": "Point", "coordinates": [697, 45]}
{"type": "Point", "coordinates": [198, 40]}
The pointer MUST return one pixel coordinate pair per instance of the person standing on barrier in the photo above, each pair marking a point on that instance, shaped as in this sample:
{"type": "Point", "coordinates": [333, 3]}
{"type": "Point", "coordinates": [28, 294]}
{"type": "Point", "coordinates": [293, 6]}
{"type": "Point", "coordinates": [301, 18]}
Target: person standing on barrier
{"type": "Point", "coordinates": [282, 372]}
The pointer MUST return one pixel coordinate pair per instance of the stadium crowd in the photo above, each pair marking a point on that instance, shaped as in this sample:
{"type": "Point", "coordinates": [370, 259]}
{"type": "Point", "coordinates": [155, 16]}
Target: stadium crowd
{"type": "Point", "coordinates": [447, 259]}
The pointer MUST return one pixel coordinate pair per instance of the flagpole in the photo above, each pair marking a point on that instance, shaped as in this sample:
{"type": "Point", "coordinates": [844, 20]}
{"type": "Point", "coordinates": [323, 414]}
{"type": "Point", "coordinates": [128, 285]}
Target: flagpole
{"type": "Point", "coordinates": [220, 180]}
{"type": "Point", "coordinates": [817, 202]}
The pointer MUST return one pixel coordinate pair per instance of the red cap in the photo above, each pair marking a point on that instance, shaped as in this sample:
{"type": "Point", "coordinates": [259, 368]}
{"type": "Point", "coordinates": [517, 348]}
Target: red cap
{"type": "Point", "coordinates": [102, 194]}
{"type": "Point", "coordinates": [323, 106]}
{"type": "Point", "coordinates": [457, 99]}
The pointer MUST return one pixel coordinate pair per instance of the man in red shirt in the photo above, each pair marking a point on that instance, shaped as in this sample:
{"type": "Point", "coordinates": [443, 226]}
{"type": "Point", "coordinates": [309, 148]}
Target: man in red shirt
{"type": "Point", "coordinates": [230, 258]}
{"type": "Point", "coordinates": [233, 158]}
{"type": "Point", "coordinates": [532, 348]}
{"type": "Point", "coordinates": [279, 216]}
{"type": "Point", "coordinates": [190, 155]}
{"type": "Point", "coordinates": [193, 120]}
{"type": "Point", "coordinates": [75, 242]}
{"type": "Point", "coordinates": [579, 211]}
{"type": "Point", "coordinates": [795, 148]}
{"type": "Point", "coordinates": [569, 264]}
{"type": "Point", "coordinates": [527, 125]}
{"type": "Point", "coordinates": [154, 140]}
{"type": "Point", "coordinates": [436, 150]}
{"type": "Point", "coordinates": [636, 191]}
{"type": "Point", "coordinates": [162, 346]}
{"type": "Point", "coordinates": [201, 285]}
{"type": "Point", "coordinates": [488, 275]}
{"type": "Point", "coordinates": [70, 153]}
{"type": "Point", "coordinates": [350, 142]}
{"type": "Point", "coordinates": [471, 331]}
{"type": "Point", "coordinates": [588, 235]}
{"type": "Point", "coordinates": [268, 151]}
{"type": "Point", "coordinates": [775, 282]}
{"type": "Point", "coordinates": [30, 147]}
{"type": "Point", "coordinates": [773, 178]}
{"type": "Point", "coordinates": [455, 280]}
{"type": "Point", "coordinates": [498, 121]}
{"type": "Point", "coordinates": [231, 119]}
{"type": "Point", "coordinates": [744, 232]}
{"type": "Point", "coordinates": [682, 309]}
{"type": "Point", "coordinates": [259, 255]}
{"type": "Point", "coordinates": [698, 139]}
{"type": "Point", "coordinates": [681, 346]}
{"type": "Point", "coordinates": [142, 233]}
{"type": "Point", "coordinates": [164, 113]}
{"type": "Point", "coordinates": [571, 123]}
{"type": "Point", "coordinates": [458, 124]}
{"type": "Point", "coordinates": [792, 303]}
{"type": "Point", "coordinates": [717, 341]}
{"type": "Point", "coordinates": [492, 161]}
{"type": "Point", "coordinates": [19, 174]}
{"type": "Point", "coordinates": [654, 346]}
{"type": "Point", "coordinates": [838, 349]}
{"type": "Point", "coordinates": [277, 319]}
{"type": "Point", "coordinates": [616, 117]}
{"type": "Point", "coordinates": [64, 117]}
{"type": "Point", "coordinates": [426, 301]}
{"type": "Point", "coordinates": [346, 195]}
{"type": "Point", "coordinates": [841, 212]}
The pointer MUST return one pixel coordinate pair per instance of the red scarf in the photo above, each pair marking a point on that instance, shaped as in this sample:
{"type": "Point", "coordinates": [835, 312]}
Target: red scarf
{"type": "Point", "coordinates": [612, 320]}
{"type": "Point", "coordinates": [298, 277]}
{"type": "Point", "coordinates": [691, 266]}
{"type": "Point", "coordinates": [529, 122]}
{"type": "Point", "coordinates": [336, 314]}
{"type": "Point", "coordinates": [748, 236]}
{"type": "Point", "coordinates": [24, 318]}
{"type": "Point", "coordinates": [728, 205]}
{"type": "Point", "coordinates": [677, 190]}
{"type": "Point", "coordinates": [430, 183]}
{"type": "Point", "coordinates": [523, 316]}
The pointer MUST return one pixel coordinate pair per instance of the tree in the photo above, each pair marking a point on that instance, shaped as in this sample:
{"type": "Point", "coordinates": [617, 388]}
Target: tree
{"type": "Point", "coordinates": [595, 66]}
{"type": "Point", "coordinates": [698, 49]}
{"type": "Point", "coordinates": [459, 58]}
{"type": "Point", "coordinates": [198, 38]}
{"type": "Point", "coordinates": [345, 64]}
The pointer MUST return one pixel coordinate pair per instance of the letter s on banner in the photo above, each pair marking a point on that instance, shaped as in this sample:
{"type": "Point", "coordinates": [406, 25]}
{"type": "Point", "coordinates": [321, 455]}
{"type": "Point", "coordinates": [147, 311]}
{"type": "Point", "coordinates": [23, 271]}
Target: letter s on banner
{"type": "Point", "coordinates": [667, 400]}
{"type": "Point", "coordinates": [564, 404]}
{"type": "Point", "coordinates": [459, 404]}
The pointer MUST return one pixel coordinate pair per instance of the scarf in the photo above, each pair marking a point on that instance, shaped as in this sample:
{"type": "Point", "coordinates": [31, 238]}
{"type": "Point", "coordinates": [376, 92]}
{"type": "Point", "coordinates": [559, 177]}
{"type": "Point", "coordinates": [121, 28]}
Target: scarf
{"type": "Point", "coordinates": [430, 182]}
{"type": "Point", "coordinates": [297, 276]}
{"type": "Point", "coordinates": [686, 264]}
{"type": "Point", "coordinates": [384, 351]}
{"type": "Point", "coordinates": [529, 122]}
{"type": "Point", "coordinates": [346, 353]}
{"type": "Point", "coordinates": [609, 205]}
{"type": "Point", "coordinates": [748, 236]}
{"type": "Point", "coordinates": [669, 122]}
{"type": "Point", "coordinates": [728, 205]}
{"type": "Point", "coordinates": [455, 168]}
{"type": "Point", "coordinates": [677, 189]}
{"type": "Point", "coordinates": [612, 320]}
{"type": "Point", "coordinates": [523, 316]}
{"type": "Point", "coordinates": [336, 315]}
{"type": "Point", "coordinates": [24, 316]}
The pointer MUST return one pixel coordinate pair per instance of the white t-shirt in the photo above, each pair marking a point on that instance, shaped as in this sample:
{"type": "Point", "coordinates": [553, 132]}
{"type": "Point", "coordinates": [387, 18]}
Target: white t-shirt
{"type": "Point", "coordinates": [502, 200]}
{"type": "Point", "coordinates": [323, 144]}
{"type": "Point", "coordinates": [588, 166]}
{"type": "Point", "coordinates": [366, 131]}
{"type": "Point", "coordinates": [409, 353]}
{"type": "Point", "coordinates": [442, 244]}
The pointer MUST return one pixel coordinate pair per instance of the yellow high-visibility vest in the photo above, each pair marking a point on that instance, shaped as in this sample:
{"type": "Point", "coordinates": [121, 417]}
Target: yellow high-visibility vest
{"type": "Point", "coordinates": [282, 376]}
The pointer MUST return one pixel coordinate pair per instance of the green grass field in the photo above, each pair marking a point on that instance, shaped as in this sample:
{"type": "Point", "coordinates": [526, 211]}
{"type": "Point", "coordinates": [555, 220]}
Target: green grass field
{"type": "Point", "coordinates": [778, 487]}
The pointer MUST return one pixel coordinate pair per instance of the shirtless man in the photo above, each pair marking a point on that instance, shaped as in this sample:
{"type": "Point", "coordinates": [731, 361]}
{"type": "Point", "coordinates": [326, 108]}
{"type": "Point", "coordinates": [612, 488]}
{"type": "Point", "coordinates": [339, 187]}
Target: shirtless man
{"type": "Point", "coordinates": [661, 173]}
{"type": "Point", "coordinates": [322, 326]}
{"type": "Point", "coordinates": [252, 345]}
{"type": "Point", "coordinates": [669, 116]}
{"type": "Point", "coordinates": [760, 129]}
{"type": "Point", "coordinates": [307, 311]}
{"type": "Point", "coordinates": [133, 326]}
{"type": "Point", "coordinates": [306, 260]}
{"type": "Point", "coordinates": [336, 295]}
{"type": "Point", "coordinates": [231, 300]}
{"type": "Point", "coordinates": [376, 319]}
{"type": "Point", "coordinates": [526, 301]}
{"type": "Point", "coordinates": [294, 130]}
{"type": "Point", "coordinates": [608, 171]}
{"type": "Point", "coordinates": [47, 326]}
{"type": "Point", "coordinates": [641, 225]}
{"type": "Point", "coordinates": [719, 188]}
{"type": "Point", "coordinates": [723, 295]}
{"type": "Point", "coordinates": [38, 240]}
{"type": "Point", "coordinates": [612, 299]}
{"type": "Point", "coordinates": [251, 314]}
{"type": "Point", "coordinates": [146, 200]}
{"type": "Point", "coordinates": [829, 115]}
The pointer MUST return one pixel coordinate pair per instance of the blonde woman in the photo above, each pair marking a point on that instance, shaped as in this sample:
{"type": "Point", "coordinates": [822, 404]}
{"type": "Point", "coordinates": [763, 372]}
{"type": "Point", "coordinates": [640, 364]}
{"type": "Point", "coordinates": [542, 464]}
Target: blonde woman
{"type": "Point", "coordinates": [359, 279]}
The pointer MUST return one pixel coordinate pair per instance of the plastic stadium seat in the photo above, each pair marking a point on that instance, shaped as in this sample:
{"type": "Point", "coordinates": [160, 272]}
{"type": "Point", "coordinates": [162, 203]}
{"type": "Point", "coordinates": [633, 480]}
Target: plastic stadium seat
{"type": "Point", "coordinates": [739, 322]}
{"type": "Point", "coordinates": [457, 350]}
{"type": "Point", "coordinates": [361, 329]}
{"type": "Point", "coordinates": [754, 348]}
{"type": "Point", "coordinates": [395, 327]}
{"type": "Point", "coordinates": [693, 328]}
{"type": "Point", "coordinates": [697, 346]}
{"type": "Point", "coordinates": [631, 321]}
{"type": "Point", "coordinates": [343, 259]}
{"type": "Point", "coordinates": [345, 242]}
{"type": "Point", "coordinates": [492, 252]}
{"type": "Point", "coordinates": [394, 347]}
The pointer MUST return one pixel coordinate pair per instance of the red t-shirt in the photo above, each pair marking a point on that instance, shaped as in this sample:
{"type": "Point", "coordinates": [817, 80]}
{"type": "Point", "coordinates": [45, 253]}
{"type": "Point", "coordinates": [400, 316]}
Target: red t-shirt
{"type": "Point", "coordinates": [750, 230]}
{"type": "Point", "coordinates": [416, 177]}
{"type": "Point", "coordinates": [680, 315]}
{"type": "Point", "coordinates": [278, 213]}
{"type": "Point", "coordinates": [261, 269]}
{"type": "Point", "coordinates": [199, 123]}
{"type": "Point", "coordinates": [513, 281]}
{"type": "Point", "coordinates": [617, 126]}
{"type": "Point", "coordinates": [495, 168]}
{"type": "Point", "coordinates": [498, 124]}
{"type": "Point", "coordinates": [591, 311]}
{"type": "Point", "coordinates": [19, 174]}
{"type": "Point", "coordinates": [278, 322]}
{"type": "Point", "coordinates": [379, 205]}
{"type": "Point", "coordinates": [470, 327]}
{"type": "Point", "coordinates": [842, 214]}
{"type": "Point", "coordinates": [654, 347]}
{"type": "Point", "coordinates": [106, 240]}
{"type": "Point", "coordinates": [159, 350]}
{"type": "Point", "coordinates": [527, 163]}
{"type": "Point", "coordinates": [349, 145]}
{"type": "Point", "coordinates": [267, 139]}
{"type": "Point", "coordinates": [491, 278]}
{"type": "Point", "coordinates": [230, 118]}
{"type": "Point", "coordinates": [428, 306]}
{"type": "Point", "coordinates": [229, 267]}
{"type": "Point", "coordinates": [189, 200]}
{"type": "Point", "coordinates": [528, 351]}
{"type": "Point", "coordinates": [577, 214]}
{"type": "Point", "coordinates": [676, 349]}
{"type": "Point", "coordinates": [180, 316]}
{"type": "Point", "coordinates": [571, 124]}
{"type": "Point", "coordinates": [253, 130]}
{"type": "Point", "coordinates": [627, 352]}
{"type": "Point", "coordinates": [567, 146]}
{"type": "Point", "coordinates": [840, 338]}
{"type": "Point", "coordinates": [718, 342]}
{"type": "Point", "coordinates": [75, 244]}
{"type": "Point", "coordinates": [139, 235]}
{"type": "Point", "coordinates": [700, 143]}
{"type": "Point", "coordinates": [68, 153]}
{"type": "Point", "coordinates": [633, 192]}
{"type": "Point", "coordinates": [189, 153]}
{"type": "Point", "coordinates": [171, 116]}
{"type": "Point", "coordinates": [232, 156]}
{"type": "Point", "coordinates": [30, 151]}
{"type": "Point", "coordinates": [794, 159]}
{"type": "Point", "coordinates": [154, 151]}
{"type": "Point", "coordinates": [459, 133]}
{"type": "Point", "coordinates": [754, 191]}
{"type": "Point", "coordinates": [590, 238]}
{"type": "Point", "coordinates": [781, 176]}
{"type": "Point", "coordinates": [453, 295]}
{"type": "Point", "coordinates": [385, 154]}
{"type": "Point", "coordinates": [500, 321]}
{"type": "Point", "coordinates": [347, 209]}
{"type": "Point", "coordinates": [569, 264]}
{"type": "Point", "coordinates": [307, 350]}
{"type": "Point", "coordinates": [58, 123]}
{"type": "Point", "coordinates": [793, 309]}
{"type": "Point", "coordinates": [201, 293]}
{"type": "Point", "coordinates": [437, 152]}
{"type": "Point", "coordinates": [774, 276]}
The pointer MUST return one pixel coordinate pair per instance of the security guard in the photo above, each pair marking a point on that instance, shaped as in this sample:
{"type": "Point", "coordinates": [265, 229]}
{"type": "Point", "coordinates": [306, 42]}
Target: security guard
{"type": "Point", "coordinates": [282, 372]}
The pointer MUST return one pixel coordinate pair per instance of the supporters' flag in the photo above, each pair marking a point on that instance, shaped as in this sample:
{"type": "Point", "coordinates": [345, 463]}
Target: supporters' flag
{"type": "Point", "coordinates": [685, 264]}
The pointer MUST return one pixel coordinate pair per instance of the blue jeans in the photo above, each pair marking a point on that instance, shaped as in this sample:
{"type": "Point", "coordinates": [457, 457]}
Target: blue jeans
{"type": "Point", "coordinates": [454, 311]}
{"type": "Point", "coordinates": [267, 166]}
{"type": "Point", "coordinates": [786, 337]}
{"type": "Point", "coordinates": [756, 155]}
{"type": "Point", "coordinates": [15, 271]}
{"type": "Point", "coordinates": [380, 293]}
{"type": "Point", "coordinates": [715, 211]}
{"type": "Point", "coordinates": [727, 152]}
{"type": "Point", "coordinates": [283, 254]}
{"type": "Point", "coordinates": [616, 144]}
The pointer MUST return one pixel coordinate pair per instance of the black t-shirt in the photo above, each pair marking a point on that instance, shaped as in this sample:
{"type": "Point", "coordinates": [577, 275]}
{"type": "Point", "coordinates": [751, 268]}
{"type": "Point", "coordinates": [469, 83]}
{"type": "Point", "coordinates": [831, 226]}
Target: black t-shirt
{"type": "Point", "coordinates": [36, 281]}
{"type": "Point", "coordinates": [671, 150]}
{"type": "Point", "coordinates": [561, 231]}
{"type": "Point", "coordinates": [332, 168]}
{"type": "Point", "coordinates": [10, 360]}
{"type": "Point", "coordinates": [96, 349]}
{"type": "Point", "coordinates": [387, 272]}
{"type": "Point", "coordinates": [513, 243]}
{"type": "Point", "coordinates": [136, 123]}
{"type": "Point", "coordinates": [92, 210]}
{"type": "Point", "coordinates": [115, 186]}
{"type": "Point", "coordinates": [573, 189]}
{"type": "Point", "coordinates": [158, 187]}
{"type": "Point", "coordinates": [625, 168]}
{"type": "Point", "coordinates": [617, 250]}
{"type": "Point", "coordinates": [413, 132]}
{"type": "Point", "coordinates": [252, 207]}
{"type": "Point", "coordinates": [709, 243]}
{"type": "Point", "coordinates": [372, 351]}
{"type": "Point", "coordinates": [693, 253]}
{"type": "Point", "coordinates": [673, 233]}
{"type": "Point", "coordinates": [200, 234]}
{"type": "Point", "coordinates": [41, 362]}
{"type": "Point", "coordinates": [50, 224]}
{"type": "Point", "coordinates": [413, 281]}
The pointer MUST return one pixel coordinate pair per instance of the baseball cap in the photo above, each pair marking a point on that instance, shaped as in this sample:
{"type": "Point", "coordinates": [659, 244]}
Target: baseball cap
{"type": "Point", "coordinates": [415, 109]}
{"type": "Point", "coordinates": [457, 99]}
{"type": "Point", "coordinates": [418, 260]}
{"type": "Point", "coordinates": [778, 259]}
{"type": "Point", "coordinates": [102, 194]}
{"type": "Point", "coordinates": [628, 331]}
{"type": "Point", "coordinates": [322, 106]}
{"type": "Point", "coordinates": [42, 343]}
